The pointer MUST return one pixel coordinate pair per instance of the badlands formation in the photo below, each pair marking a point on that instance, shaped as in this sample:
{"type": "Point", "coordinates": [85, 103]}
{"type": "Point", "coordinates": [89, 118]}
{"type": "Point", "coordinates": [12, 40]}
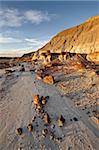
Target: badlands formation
{"type": "Point", "coordinates": [50, 101]}
{"type": "Point", "coordinates": [82, 39]}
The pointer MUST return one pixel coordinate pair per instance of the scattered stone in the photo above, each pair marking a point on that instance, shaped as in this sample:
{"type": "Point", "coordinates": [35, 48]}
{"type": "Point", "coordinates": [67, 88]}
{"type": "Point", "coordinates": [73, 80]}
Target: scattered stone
{"type": "Point", "coordinates": [58, 140]}
{"type": "Point", "coordinates": [33, 118]}
{"type": "Point", "coordinates": [39, 108]}
{"type": "Point", "coordinates": [52, 126]}
{"type": "Point", "coordinates": [45, 132]}
{"type": "Point", "coordinates": [36, 99]}
{"type": "Point", "coordinates": [48, 79]}
{"type": "Point", "coordinates": [43, 100]}
{"type": "Point", "coordinates": [61, 121]}
{"type": "Point", "coordinates": [46, 118]}
{"type": "Point", "coordinates": [38, 77]}
{"type": "Point", "coordinates": [30, 127]}
{"type": "Point", "coordinates": [18, 131]}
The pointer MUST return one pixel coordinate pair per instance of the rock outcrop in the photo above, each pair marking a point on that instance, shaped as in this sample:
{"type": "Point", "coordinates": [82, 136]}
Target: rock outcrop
{"type": "Point", "coordinates": [81, 39]}
{"type": "Point", "coordinates": [93, 57]}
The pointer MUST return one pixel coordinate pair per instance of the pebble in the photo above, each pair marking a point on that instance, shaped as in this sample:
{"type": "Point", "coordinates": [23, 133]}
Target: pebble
{"type": "Point", "coordinates": [18, 131]}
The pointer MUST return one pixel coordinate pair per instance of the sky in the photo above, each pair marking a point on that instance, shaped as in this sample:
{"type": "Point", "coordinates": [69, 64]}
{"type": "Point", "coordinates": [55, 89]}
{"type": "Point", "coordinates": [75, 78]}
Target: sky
{"type": "Point", "coordinates": [26, 26]}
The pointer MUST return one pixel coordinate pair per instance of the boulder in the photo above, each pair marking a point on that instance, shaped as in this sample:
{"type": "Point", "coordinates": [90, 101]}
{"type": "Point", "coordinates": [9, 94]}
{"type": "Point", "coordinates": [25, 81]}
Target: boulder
{"type": "Point", "coordinates": [18, 131]}
{"type": "Point", "coordinates": [60, 121]}
{"type": "Point", "coordinates": [30, 127]}
{"type": "Point", "coordinates": [43, 100]}
{"type": "Point", "coordinates": [48, 79]}
{"type": "Point", "coordinates": [46, 118]}
{"type": "Point", "coordinates": [38, 77]}
{"type": "Point", "coordinates": [39, 108]}
{"type": "Point", "coordinates": [36, 100]}
{"type": "Point", "coordinates": [45, 132]}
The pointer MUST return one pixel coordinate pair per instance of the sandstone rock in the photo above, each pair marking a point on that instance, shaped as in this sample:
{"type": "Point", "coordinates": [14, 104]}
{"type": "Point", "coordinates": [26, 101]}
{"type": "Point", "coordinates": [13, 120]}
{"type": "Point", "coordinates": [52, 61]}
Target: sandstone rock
{"type": "Point", "coordinates": [94, 57]}
{"type": "Point", "coordinates": [60, 121]}
{"type": "Point", "coordinates": [18, 131]}
{"type": "Point", "coordinates": [33, 118]}
{"type": "Point", "coordinates": [52, 126]}
{"type": "Point", "coordinates": [36, 99]}
{"type": "Point", "coordinates": [46, 118]}
{"type": "Point", "coordinates": [39, 108]}
{"type": "Point", "coordinates": [48, 79]}
{"type": "Point", "coordinates": [30, 127]}
{"type": "Point", "coordinates": [43, 100]}
{"type": "Point", "coordinates": [38, 77]}
{"type": "Point", "coordinates": [45, 131]}
{"type": "Point", "coordinates": [35, 56]}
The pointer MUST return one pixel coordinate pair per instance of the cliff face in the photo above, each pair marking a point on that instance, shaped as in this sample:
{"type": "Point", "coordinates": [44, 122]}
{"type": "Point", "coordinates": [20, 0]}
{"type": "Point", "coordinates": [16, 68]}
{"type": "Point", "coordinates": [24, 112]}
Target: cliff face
{"type": "Point", "coordinates": [82, 39]}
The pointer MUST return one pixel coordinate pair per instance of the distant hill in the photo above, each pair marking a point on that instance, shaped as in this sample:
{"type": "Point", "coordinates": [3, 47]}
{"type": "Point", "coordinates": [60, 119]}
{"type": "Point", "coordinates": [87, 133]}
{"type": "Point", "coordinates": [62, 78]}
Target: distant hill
{"type": "Point", "coordinates": [26, 57]}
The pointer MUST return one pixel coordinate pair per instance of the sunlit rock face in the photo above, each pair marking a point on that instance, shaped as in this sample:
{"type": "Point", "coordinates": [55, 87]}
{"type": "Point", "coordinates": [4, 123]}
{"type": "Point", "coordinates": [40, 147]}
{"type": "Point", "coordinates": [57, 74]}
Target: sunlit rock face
{"type": "Point", "coordinates": [82, 39]}
{"type": "Point", "coordinates": [93, 57]}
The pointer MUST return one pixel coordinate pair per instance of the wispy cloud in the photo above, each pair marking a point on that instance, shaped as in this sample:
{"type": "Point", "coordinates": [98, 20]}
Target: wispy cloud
{"type": "Point", "coordinates": [9, 40]}
{"type": "Point", "coordinates": [11, 18]}
{"type": "Point", "coordinates": [36, 42]}
{"type": "Point", "coordinates": [28, 41]}
{"type": "Point", "coordinates": [16, 18]}
{"type": "Point", "coordinates": [24, 45]}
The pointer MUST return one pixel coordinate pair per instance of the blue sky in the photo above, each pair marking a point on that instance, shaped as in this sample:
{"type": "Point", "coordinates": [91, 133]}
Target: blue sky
{"type": "Point", "coordinates": [28, 25]}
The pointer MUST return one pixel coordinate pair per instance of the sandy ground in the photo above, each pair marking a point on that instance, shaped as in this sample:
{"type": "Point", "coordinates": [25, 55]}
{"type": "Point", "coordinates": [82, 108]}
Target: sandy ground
{"type": "Point", "coordinates": [16, 110]}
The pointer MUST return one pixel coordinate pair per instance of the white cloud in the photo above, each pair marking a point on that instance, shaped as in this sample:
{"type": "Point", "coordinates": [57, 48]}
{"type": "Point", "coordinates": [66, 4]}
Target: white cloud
{"type": "Point", "coordinates": [37, 17]}
{"type": "Point", "coordinates": [9, 40]}
{"type": "Point", "coordinates": [31, 40]}
{"type": "Point", "coordinates": [11, 18]}
{"type": "Point", "coordinates": [35, 42]}
{"type": "Point", "coordinates": [15, 18]}
{"type": "Point", "coordinates": [28, 41]}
